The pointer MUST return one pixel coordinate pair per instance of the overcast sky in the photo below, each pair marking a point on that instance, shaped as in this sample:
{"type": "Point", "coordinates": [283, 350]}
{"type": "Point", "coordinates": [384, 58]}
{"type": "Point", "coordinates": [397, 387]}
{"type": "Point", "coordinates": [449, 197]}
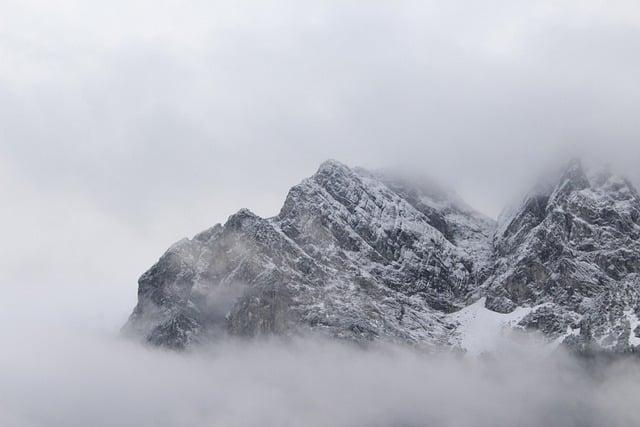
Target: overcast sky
{"type": "Point", "coordinates": [126, 125]}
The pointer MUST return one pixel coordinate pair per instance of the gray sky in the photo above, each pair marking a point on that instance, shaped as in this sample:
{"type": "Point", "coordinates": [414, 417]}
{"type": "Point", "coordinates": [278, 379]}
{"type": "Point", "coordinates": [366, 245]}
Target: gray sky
{"type": "Point", "coordinates": [125, 126]}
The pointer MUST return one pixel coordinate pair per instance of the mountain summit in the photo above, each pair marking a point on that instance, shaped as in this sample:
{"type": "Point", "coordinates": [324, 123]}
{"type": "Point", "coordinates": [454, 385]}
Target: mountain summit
{"type": "Point", "coordinates": [572, 251]}
{"type": "Point", "coordinates": [365, 256]}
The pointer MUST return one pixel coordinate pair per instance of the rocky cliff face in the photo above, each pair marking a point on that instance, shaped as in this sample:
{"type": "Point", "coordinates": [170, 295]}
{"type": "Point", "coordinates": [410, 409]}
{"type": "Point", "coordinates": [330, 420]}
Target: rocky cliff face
{"type": "Point", "coordinates": [571, 251]}
{"type": "Point", "coordinates": [375, 256]}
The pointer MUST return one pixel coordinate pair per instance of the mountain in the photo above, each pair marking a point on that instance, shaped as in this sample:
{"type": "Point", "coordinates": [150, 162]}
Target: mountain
{"type": "Point", "coordinates": [365, 256]}
{"type": "Point", "coordinates": [571, 252]}
{"type": "Point", "coordinates": [352, 254]}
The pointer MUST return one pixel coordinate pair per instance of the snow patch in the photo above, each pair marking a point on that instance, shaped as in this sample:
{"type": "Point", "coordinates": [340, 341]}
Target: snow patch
{"type": "Point", "coordinates": [634, 322]}
{"type": "Point", "coordinates": [481, 330]}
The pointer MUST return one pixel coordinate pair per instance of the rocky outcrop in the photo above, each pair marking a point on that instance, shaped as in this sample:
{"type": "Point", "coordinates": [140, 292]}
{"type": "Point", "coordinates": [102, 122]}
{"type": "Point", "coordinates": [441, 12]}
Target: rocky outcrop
{"type": "Point", "coordinates": [572, 249]}
{"type": "Point", "coordinates": [365, 256]}
{"type": "Point", "coordinates": [349, 255]}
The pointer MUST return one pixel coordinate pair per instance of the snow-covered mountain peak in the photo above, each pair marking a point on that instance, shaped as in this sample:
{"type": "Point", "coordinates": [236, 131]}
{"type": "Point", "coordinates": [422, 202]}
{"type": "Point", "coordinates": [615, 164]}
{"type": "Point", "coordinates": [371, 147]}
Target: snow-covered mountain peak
{"type": "Point", "coordinates": [576, 247]}
{"type": "Point", "coordinates": [364, 256]}
{"type": "Point", "coordinates": [553, 191]}
{"type": "Point", "coordinates": [330, 165]}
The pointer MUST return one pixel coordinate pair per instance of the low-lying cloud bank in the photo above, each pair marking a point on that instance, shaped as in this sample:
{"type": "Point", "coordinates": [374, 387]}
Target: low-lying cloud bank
{"type": "Point", "coordinates": [64, 378]}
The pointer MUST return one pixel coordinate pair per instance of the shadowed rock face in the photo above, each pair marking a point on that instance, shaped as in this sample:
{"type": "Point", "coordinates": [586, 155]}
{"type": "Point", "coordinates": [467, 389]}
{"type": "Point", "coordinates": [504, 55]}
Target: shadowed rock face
{"type": "Point", "coordinates": [375, 256]}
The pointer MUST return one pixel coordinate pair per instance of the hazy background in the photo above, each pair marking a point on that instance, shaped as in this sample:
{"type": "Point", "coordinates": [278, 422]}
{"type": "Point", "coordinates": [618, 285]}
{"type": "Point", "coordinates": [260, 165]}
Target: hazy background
{"type": "Point", "coordinates": [126, 125]}
{"type": "Point", "coordinates": [95, 380]}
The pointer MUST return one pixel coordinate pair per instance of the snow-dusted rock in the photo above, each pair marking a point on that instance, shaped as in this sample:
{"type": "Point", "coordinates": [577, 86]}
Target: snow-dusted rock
{"type": "Point", "coordinates": [572, 245]}
{"type": "Point", "coordinates": [364, 256]}
{"type": "Point", "coordinates": [348, 255]}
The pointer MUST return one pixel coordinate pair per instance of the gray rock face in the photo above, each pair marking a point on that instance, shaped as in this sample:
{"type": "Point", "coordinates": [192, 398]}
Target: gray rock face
{"type": "Point", "coordinates": [348, 255]}
{"type": "Point", "coordinates": [375, 256]}
{"type": "Point", "coordinates": [571, 251]}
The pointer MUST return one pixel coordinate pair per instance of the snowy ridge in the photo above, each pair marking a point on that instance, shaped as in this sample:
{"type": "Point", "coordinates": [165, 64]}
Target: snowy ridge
{"type": "Point", "coordinates": [366, 256]}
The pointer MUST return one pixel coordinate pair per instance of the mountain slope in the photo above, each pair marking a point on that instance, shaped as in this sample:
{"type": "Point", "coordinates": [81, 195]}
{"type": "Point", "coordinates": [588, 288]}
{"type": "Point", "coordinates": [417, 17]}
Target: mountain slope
{"type": "Point", "coordinates": [364, 256]}
{"type": "Point", "coordinates": [572, 249]}
{"type": "Point", "coordinates": [347, 256]}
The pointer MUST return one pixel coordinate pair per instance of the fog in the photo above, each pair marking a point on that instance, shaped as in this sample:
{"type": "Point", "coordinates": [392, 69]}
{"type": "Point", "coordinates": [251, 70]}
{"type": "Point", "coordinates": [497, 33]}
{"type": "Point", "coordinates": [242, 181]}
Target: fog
{"type": "Point", "coordinates": [59, 378]}
{"type": "Point", "coordinates": [127, 125]}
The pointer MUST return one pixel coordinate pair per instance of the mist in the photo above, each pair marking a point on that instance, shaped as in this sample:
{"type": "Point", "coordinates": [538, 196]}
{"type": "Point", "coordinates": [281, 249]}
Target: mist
{"type": "Point", "coordinates": [79, 378]}
{"type": "Point", "coordinates": [126, 126]}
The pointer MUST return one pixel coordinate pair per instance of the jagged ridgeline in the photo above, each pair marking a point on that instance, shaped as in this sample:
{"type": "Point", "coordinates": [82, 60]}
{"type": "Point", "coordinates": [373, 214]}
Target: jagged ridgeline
{"type": "Point", "coordinates": [366, 256]}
